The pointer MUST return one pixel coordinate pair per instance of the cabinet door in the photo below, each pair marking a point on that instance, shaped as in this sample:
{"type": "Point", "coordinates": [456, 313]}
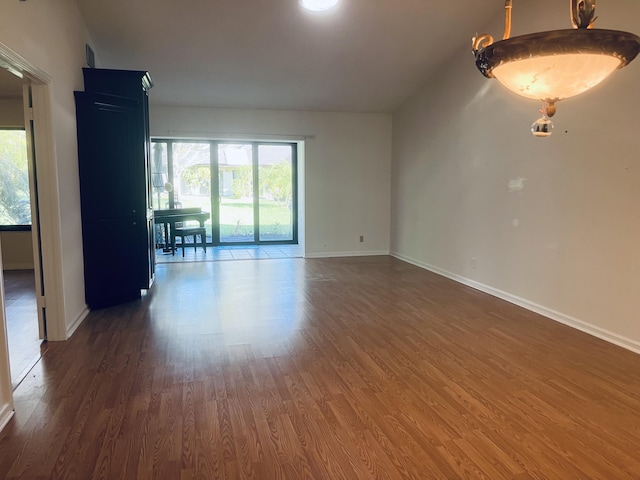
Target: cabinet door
{"type": "Point", "coordinates": [108, 262]}
{"type": "Point", "coordinates": [112, 166]}
{"type": "Point", "coordinates": [111, 156]}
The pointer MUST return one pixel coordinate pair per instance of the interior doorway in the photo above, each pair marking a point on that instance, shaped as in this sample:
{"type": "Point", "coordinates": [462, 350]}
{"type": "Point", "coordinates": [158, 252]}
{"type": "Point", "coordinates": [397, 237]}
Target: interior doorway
{"type": "Point", "coordinates": [25, 331]}
{"type": "Point", "coordinates": [37, 108]}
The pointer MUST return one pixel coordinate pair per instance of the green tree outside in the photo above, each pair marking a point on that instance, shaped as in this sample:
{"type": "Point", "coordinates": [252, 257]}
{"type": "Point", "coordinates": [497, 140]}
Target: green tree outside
{"type": "Point", "coordinates": [197, 179]}
{"type": "Point", "coordinates": [15, 207]}
{"type": "Point", "coordinates": [275, 180]}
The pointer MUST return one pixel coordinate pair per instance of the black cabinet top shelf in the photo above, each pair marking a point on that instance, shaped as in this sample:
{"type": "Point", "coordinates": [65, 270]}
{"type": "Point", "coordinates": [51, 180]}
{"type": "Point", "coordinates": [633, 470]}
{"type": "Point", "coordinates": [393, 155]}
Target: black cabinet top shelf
{"type": "Point", "coordinates": [116, 82]}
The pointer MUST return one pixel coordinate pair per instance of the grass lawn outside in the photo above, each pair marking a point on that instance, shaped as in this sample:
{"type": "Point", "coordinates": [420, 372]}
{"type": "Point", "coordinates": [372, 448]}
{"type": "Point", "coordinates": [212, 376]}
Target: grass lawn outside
{"type": "Point", "coordinates": [236, 218]}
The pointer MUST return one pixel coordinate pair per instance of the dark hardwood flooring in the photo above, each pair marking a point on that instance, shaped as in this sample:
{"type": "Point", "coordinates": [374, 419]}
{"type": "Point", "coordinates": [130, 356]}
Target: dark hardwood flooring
{"type": "Point", "coordinates": [353, 368]}
{"type": "Point", "coordinates": [22, 322]}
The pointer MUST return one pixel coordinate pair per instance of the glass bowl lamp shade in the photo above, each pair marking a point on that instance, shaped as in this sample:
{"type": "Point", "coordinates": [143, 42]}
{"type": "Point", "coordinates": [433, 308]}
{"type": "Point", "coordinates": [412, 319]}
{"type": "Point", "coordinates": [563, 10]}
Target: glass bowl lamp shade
{"type": "Point", "coordinates": [552, 66]}
{"type": "Point", "coordinates": [318, 5]}
{"type": "Point", "coordinates": [558, 64]}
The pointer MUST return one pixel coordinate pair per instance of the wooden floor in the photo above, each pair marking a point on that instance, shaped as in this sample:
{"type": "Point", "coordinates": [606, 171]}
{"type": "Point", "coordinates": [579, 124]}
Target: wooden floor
{"type": "Point", "coordinates": [364, 368]}
{"type": "Point", "coordinates": [22, 322]}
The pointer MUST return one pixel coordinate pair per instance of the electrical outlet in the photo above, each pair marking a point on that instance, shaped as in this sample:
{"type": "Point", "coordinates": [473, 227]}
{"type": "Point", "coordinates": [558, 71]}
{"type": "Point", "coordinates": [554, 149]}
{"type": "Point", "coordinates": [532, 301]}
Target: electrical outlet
{"type": "Point", "coordinates": [361, 238]}
{"type": "Point", "coordinates": [474, 262]}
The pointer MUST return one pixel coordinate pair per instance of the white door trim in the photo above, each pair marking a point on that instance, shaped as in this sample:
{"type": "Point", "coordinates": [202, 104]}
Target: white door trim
{"type": "Point", "coordinates": [6, 393]}
{"type": "Point", "coordinates": [49, 213]}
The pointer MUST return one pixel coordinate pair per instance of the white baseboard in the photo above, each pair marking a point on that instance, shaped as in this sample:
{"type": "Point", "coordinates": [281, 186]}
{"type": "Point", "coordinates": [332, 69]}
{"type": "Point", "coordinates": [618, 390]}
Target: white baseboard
{"type": "Point", "coordinates": [6, 413]}
{"type": "Point", "coordinates": [585, 327]}
{"type": "Point", "coordinates": [79, 319]}
{"type": "Point", "coordinates": [374, 253]}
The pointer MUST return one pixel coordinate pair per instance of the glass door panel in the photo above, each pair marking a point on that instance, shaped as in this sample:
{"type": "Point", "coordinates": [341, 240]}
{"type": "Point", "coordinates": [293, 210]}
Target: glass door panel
{"type": "Point", "coordinates": [159, 190]}
{"type": "Point", "coordinates": [191, 174]}
{"type": "Point", "coordinates": [159, 176]}
{"type": "Point", "coordinates": [235, 191]}
{"type": "Point", "coordinates": [275, 198]}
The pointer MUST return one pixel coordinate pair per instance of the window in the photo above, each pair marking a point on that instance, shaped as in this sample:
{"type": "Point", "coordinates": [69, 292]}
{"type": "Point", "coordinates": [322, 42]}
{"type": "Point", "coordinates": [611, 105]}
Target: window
{"type": "Point", "coordinates": [15, 206]}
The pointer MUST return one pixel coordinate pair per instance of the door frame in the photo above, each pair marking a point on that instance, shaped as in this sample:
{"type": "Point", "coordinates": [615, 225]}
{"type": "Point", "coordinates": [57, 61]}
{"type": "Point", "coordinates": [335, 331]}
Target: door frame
{"type": "Point", "coordinates": [36, 237]}
{"type": "Point", "coordinates": [47, 243]}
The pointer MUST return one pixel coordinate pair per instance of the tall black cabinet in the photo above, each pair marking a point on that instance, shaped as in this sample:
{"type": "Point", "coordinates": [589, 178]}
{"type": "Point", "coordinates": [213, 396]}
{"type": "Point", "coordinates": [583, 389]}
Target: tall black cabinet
{"type": "Point", "coordinates": [115, 186]}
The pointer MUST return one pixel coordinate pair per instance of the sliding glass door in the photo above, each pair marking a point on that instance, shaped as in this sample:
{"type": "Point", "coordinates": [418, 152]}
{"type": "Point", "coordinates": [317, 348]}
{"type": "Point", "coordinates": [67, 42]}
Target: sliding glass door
{"type": "Point", "coordinates": [236, 205]}
{"type": "Point", "coordinates": [276, 193]}
{"type": "Point", "coordinates": [250, 188]}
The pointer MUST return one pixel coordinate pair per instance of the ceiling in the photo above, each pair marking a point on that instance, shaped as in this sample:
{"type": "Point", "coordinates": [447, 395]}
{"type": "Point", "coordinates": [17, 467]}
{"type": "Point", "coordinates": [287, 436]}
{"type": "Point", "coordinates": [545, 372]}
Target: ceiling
{"type": "Point", "coordinates": [363, 56]}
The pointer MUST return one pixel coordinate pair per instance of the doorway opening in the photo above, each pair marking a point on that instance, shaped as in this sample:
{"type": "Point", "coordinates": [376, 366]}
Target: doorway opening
{"type": "Point", "coordinates": [25, 332]}
{"type": "Point", "coordinates": [45, 228]}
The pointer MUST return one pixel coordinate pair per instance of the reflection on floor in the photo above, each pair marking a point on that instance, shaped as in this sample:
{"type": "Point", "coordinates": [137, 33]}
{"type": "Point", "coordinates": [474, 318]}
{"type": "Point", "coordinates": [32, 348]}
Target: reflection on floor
{"type": "Point", "coordinates": [234, 252]}
{"type": "Point", "coordinates": [22, 322]}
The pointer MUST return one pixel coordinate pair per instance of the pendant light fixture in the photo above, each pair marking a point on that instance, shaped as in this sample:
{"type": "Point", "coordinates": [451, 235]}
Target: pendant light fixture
{"type": "Point", "coordinates": [318, 5]}
{"type": "Point", "coordinates": [554, 65]}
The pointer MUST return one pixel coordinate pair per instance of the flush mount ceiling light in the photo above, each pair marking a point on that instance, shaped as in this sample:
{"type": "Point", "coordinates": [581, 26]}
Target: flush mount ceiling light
{"type": "Point", "coordinates": [558, 64]}
{"type": "Point", "coordinates": [318, 5]}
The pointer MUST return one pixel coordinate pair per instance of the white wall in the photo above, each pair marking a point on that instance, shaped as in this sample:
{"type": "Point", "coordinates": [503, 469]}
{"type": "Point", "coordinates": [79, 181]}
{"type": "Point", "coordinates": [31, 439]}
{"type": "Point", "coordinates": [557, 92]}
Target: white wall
{"type": "Point", "coordinates": [346, 167]}
{"type": "Point", "coordinates": [551, 223]}
{"type": "Point", "coordinates": [52, 36]}
{"type": "Point", "coordinates": [11, 112]}
{"type": "Point", "coordinates": [17, 250]}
